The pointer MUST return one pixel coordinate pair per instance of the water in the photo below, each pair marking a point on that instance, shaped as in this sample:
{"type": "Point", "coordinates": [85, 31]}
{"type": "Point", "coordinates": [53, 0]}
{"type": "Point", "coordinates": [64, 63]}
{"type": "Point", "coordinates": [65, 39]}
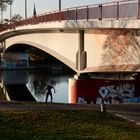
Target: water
{"type": "Point", "coordinates": [36, 81]}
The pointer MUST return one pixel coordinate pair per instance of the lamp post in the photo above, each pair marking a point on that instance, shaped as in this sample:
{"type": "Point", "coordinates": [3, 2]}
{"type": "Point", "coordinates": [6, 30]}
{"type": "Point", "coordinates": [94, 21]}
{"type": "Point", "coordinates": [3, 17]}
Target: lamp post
{"type": "Point", "coordinates": [25, 9]}
{"type": "Point", "coordinates": [10, 11]}
{"type": "Point", "coordinates": [10, 3]}
{"type": "Point", "coordinates": [1, 14]}
{"type": "Point", "coordinates": [59, 5]}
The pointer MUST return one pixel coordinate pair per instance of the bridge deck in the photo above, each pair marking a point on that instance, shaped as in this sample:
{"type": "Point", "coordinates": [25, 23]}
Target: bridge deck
{"type": "Point", "coordinates": [120, 10]}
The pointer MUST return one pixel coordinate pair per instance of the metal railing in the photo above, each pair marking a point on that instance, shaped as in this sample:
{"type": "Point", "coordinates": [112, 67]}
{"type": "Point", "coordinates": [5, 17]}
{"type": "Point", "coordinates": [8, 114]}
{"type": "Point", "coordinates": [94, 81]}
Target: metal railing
{"type": "Point", "coordinates": [113, 10]}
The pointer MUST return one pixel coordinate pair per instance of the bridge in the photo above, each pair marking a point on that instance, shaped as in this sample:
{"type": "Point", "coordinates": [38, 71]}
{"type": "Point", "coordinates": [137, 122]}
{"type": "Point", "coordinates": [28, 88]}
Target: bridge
{"type": "Point", "coordinates": [93, 38]}
{"type": "Point", "coordinates": [87, 39]}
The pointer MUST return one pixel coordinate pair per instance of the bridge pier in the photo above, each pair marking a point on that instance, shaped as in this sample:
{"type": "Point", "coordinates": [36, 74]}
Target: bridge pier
{"type": "Point", "coordinates": [73, 95]}
{"type": "Point", "coordinates": [76, 87]}
{"type": "Point", "coordinates": [2, 46]}
{"type": "Point", "coordinates": [81, 63]}
{"type": "Point", "coordinates": [81, 56]}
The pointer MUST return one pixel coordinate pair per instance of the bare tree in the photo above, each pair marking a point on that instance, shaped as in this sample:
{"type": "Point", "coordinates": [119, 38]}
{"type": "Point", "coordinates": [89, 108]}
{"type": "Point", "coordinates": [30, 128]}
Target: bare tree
{"type": "Point", "coordinates": [3, 7]}
{"type": "Point", "coordinates": [9, 2]}
{"type": "Point", "coordinates": [16, 17]}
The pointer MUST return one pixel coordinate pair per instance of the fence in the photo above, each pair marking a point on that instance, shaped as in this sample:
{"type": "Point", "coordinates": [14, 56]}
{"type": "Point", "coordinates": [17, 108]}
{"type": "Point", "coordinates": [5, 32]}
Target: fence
{"type": "Point", "coordinates": [113, 10]}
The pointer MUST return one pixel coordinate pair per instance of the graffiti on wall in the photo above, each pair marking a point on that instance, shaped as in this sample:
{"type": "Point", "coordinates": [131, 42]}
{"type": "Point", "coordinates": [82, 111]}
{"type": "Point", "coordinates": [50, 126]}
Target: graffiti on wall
{"type": "Point", "coordinates": [117, 93]}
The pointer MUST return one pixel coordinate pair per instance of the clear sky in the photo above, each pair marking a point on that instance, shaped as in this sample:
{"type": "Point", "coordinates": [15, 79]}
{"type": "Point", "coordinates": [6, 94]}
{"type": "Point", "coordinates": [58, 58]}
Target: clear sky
{"type": "Point", "coordinates": [43, 6]}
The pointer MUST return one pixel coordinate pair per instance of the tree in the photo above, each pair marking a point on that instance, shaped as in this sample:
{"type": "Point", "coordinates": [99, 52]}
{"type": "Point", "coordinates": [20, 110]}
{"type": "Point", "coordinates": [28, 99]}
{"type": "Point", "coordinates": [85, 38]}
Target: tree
{"type": "Point", "coordinates": [6, 2]}
{"type": "Point", "coordinates": [3, 6]}
{"type": "Point", "coordinates": [16, 17]}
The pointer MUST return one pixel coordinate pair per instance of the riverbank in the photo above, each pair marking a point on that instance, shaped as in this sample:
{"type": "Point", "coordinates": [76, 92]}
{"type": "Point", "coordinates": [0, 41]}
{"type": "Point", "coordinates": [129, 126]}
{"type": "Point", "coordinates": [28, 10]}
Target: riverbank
{"type": "Point", "coordinates": [61, 124]}
{"type": "Point", "coordinates": [51, 68]}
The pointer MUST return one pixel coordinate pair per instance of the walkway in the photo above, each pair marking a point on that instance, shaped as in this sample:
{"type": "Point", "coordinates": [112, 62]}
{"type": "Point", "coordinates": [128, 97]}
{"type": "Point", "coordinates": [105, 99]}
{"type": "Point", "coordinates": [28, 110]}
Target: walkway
{"type": "Point", "coordinates": [7, 106]}
{"type": "Point", "coordinates": [130, 112]}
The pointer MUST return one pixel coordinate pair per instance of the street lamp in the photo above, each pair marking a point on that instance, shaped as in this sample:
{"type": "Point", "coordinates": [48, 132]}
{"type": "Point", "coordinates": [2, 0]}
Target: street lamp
{"type": "Point", "coordinates": [10, 11]}
{"type": "Point", "coordinates": [25, 9]}
{"type": "Point", "coordinates": [10, 3]}
{"type": "Point", "coordinates": [59, 5]}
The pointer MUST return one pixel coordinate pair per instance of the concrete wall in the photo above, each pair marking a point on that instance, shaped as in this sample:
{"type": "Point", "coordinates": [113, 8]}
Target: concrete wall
{"type": "Point", "coordinates": [112, 50]}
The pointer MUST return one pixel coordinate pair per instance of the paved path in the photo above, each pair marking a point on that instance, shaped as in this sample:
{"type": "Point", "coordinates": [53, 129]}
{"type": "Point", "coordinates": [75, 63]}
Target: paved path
{"type": "Point", "coordinates": [7, 106]}
{"type": "Point", "coordinates": [131, 112]}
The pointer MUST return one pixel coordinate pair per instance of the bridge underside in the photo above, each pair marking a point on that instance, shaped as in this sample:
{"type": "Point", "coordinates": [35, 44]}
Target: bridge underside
{"type": "Point", "coordinates": [26, 56]}
{"type": "Point", "coordinates": [107, 50]}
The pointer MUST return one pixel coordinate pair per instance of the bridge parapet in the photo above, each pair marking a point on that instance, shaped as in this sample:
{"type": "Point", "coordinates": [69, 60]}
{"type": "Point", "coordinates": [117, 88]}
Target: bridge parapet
{"type": "Point", "coordinates": [126, 9]}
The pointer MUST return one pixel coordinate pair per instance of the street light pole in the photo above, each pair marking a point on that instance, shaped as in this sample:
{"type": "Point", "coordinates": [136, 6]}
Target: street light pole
{"type": "Point", "coordinates": [59, 5]}
{"type": "Point", "coordinates": [10, 3]}
{"type": "Point", "coordinates": [25, 9]}
{"type": "Point", "coordinates": [1, 13]}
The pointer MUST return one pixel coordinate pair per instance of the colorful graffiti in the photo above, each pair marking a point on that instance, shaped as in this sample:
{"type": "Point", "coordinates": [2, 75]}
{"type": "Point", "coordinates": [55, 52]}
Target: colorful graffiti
{"type": "Point", "coordinates": [117, 93]}
{"type": "Point", "coordinates": [113, 91]}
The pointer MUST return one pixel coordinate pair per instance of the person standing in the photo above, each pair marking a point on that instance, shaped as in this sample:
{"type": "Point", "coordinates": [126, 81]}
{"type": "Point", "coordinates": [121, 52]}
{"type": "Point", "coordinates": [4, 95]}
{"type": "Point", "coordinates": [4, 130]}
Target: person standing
{"type": "Point", "coordinates": [48, 91]}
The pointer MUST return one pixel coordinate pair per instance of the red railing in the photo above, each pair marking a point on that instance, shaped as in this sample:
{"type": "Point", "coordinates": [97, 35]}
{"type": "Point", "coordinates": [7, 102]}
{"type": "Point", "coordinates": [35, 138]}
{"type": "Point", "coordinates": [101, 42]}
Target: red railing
{"type": "Point", "coordinates": [114, 10]}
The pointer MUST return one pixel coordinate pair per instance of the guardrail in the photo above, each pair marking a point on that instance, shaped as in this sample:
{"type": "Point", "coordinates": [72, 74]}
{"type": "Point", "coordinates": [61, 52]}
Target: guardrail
{"type": "Point", "coordinates": [113, 10]}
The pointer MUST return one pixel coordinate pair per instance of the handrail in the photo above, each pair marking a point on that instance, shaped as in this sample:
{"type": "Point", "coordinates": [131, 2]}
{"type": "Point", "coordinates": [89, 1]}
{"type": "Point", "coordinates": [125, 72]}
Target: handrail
{"type": "Point", "coordinates": [111, 10]}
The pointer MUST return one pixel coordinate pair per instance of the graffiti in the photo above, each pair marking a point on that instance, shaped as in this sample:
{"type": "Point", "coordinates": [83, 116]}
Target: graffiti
{"type": "Point", "coordinates": [117, 92]}
{"type": "Point", "coordinates": [112, 91]}
{"type": "Point", "coordinates": [103, 91]}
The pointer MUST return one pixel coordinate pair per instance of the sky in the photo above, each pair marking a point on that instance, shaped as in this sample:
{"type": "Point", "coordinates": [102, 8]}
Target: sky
{"type": "Point", "coordinates": [43, 6]}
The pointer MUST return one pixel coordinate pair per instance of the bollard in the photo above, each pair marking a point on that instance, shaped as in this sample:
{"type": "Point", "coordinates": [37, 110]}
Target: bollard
{"type": "Point", "coordinates": [103, 106]}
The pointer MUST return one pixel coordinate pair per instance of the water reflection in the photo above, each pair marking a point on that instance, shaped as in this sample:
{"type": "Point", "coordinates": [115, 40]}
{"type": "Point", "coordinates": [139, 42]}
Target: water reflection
{"type": "Point", "coordinates": [35, 82]}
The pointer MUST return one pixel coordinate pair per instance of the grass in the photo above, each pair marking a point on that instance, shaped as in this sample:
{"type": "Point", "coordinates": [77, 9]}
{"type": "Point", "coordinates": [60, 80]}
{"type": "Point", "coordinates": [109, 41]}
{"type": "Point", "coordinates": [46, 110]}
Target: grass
{"type": "Point", "coordinates": [65, 125]}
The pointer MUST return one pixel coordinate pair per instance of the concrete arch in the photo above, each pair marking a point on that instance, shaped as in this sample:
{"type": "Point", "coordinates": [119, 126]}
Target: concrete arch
{"type": "Point", "coordinates": [62, 45]}
{"type": "Point", "coordinates": [49, 51]}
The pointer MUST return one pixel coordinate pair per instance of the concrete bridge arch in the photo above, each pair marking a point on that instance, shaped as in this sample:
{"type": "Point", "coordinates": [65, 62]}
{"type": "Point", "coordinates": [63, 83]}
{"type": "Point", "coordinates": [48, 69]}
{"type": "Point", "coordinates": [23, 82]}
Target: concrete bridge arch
{"type": "Point", "coordinates": [47, 42]}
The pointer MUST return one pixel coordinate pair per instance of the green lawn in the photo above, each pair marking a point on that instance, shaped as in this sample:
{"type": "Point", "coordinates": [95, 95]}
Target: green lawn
{"type": "Point", "coordinates": [65, 125]}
